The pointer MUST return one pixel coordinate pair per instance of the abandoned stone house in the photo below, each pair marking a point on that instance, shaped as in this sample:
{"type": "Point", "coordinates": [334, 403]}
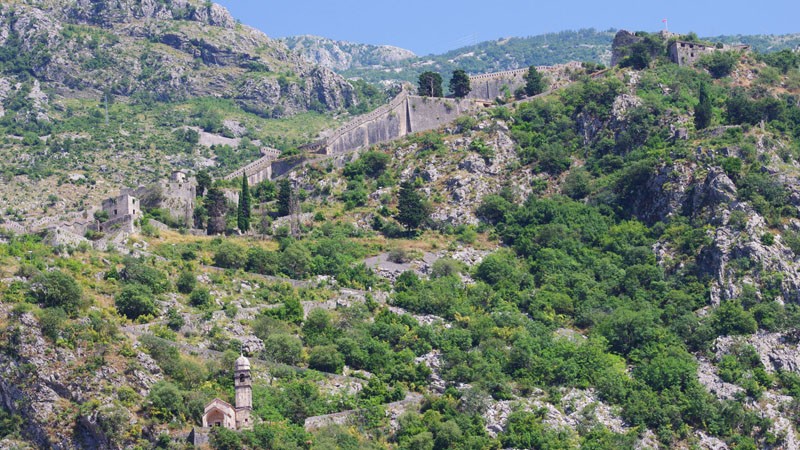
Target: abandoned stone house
{"type": "Point", "coordinates": [122, 210]}
{"type": "Point", "coordinates": [219, 413]}
{"type": "Point", "coordinates": [685, 53]}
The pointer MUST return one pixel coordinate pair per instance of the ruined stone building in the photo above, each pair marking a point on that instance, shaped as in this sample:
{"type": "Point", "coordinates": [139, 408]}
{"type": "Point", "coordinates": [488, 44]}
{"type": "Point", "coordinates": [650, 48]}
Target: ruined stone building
{"type": "Point", "coordinates": [219, 413]}
{"type": "Point", "coordinates": [123, 210]}
{"type": "Point", "coordinates": [685, 53]}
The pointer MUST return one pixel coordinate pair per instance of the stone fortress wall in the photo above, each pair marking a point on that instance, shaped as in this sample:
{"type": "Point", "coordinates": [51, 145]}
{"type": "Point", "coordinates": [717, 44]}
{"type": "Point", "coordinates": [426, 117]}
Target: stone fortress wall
{"type": "Point", "coordinates": [407, 113]}
{"type": "Point", "coordinates": [258, 170]}
{"type": "Point", "coordinates": [403, 115]}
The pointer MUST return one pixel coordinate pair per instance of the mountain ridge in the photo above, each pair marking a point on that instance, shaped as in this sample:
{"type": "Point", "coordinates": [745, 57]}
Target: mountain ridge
{"type": "Point", "coordinates": [510, 53]}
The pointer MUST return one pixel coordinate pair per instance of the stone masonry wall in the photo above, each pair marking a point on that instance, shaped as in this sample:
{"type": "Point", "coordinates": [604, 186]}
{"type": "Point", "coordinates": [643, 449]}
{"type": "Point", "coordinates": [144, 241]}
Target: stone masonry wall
{"type": "Point", "coordinates": [258, 170]}
{"type": "Point", "coordinates": [429, 113]}
{"type": "Point", "coordinates": [384, 124]}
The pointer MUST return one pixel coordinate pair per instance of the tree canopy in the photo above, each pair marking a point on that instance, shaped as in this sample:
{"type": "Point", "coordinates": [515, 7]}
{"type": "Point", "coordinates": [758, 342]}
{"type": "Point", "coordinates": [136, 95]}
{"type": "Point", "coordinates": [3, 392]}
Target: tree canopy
{"type": "Point", "coordinates": [430, 84]}
{"type": "Point", "coordinates": [459, 84]}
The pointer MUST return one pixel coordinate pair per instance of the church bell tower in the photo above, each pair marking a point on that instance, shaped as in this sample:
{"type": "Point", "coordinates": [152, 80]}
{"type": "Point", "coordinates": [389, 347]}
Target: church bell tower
{"type": "Point", "coordinates": [243, 383]}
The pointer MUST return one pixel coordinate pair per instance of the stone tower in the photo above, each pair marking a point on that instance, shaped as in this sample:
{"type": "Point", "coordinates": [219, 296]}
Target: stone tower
{"type": "Point", "coordinates": [243, 383]}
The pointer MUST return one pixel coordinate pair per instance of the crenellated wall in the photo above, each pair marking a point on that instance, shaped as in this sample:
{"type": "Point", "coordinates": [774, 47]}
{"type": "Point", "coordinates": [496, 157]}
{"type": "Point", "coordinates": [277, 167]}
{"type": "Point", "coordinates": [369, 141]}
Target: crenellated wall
{"type": "Point", "coordinates": [258, 170]}
{"type": "Point", "coordinates": [388, 122]}
{"type": "Point", "coordinates": [492, 85]}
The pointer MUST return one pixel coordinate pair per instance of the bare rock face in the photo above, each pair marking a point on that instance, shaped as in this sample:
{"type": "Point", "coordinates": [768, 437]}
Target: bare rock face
{"type": "Point", "coordinates": [619, 47]}
{"type": "Point", "coordinates": [664, 193]}
{"type": "Point", "coordinates": [341, 55]}
{"type": "Point", "coordinates": [475, 178]}
{"type": "Point", "coordinates": [105, 12]}
{"type": "Point", "coordinates": [776, 351]}
{"type": "Point", "coordinates": [578, 408]}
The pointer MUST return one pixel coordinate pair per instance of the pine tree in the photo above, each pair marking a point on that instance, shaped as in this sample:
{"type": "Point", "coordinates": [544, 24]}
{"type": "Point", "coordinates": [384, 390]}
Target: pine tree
{"type": "Point", "coordinates": [203, 182]}
{"type": "Point", "coordinates": [243, 213]}
{"type": "Point", "coordinates": [703, 112]}
{"type": "Point", "coordinates": [459, 84]}
{"type": "Point", "coordinates": [534, 82]}
{"type": "Point", "coordinates": [412, 210]}
{"type": "Point", "coordinates": [430, 84]}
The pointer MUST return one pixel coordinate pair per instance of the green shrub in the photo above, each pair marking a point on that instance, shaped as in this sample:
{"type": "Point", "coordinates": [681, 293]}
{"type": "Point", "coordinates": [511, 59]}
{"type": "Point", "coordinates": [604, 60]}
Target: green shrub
{"type": "Point", "coordinates": [186, 282]}
{"type": "Point", "coordinates": [283, 348]}
{"type": "Point", "coordinates": [136, 300]}
{"type": "Point", "coordinates": [730, 318]}
{"type": "Point", "coordinates": [200, 298]}
{"type": "Point", "coordinates": [52, 322]}
{"type": "Point", "coordinates": [326, 358]}
{"type": "Point", "coordinates": [136, 271]}
{"type": "Point", "coordinates": [230, 255]}
{"type": "Point", "coordinates": [165, 402]}
{"type": "Point", "coordinates": [262, 261]}
{"type": "Point", "coordinates": [57, 289]}
{"type": "Point", "coordinates": [444, 267]}
{"type": "Point", "coordinates": [720, 64]}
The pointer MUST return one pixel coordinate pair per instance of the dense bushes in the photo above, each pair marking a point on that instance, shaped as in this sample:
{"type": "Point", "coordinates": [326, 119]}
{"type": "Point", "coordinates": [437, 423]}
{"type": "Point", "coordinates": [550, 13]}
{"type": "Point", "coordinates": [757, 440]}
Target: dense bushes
{"type": "Point", "coordinates": [135, 300]}
{"type": "Point", "coordinates": [57, 289]}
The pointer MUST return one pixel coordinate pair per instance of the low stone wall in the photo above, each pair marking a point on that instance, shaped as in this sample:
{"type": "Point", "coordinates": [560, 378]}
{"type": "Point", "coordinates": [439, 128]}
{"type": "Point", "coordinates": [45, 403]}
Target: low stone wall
{"type": "Point", "coordinates": [13, 227]}
{"type": "Point", "coordinates": [393, 411]}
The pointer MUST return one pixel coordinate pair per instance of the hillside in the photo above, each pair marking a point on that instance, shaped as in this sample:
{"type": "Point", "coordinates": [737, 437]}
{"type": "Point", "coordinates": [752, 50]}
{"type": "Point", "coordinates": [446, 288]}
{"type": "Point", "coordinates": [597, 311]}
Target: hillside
{"type": "Point", "coordinates": [171, 50]}
{"type": "Point", "coordinates": [610, 265]}
{"type": "Point", "coordinates": [101, 95]}
{"type": "Point", "coordinates": [502, 54]}
{"type": "Point", "coordinates": [342, 55]}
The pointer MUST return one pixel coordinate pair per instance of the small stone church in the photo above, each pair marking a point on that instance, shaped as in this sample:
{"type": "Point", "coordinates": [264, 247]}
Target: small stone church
{"type": "Point", "coordinates": [219, 413]}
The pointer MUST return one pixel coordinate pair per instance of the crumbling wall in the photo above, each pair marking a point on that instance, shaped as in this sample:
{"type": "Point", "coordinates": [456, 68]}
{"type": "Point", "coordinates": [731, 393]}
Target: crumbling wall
{"type": "Point", "coordinates": [179, 199]}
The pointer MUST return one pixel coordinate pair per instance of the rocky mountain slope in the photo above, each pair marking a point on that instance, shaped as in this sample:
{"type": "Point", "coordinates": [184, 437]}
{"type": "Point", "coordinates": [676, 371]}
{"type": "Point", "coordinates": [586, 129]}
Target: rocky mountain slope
{"type": "Point", "coordinates": [343, 55]}
{"type": "Point", "coordinates": [170, 50]}
{"type": "Point", "coordinates": [613, 264]}
{"type": "Point", "coordinates": [79, 79]}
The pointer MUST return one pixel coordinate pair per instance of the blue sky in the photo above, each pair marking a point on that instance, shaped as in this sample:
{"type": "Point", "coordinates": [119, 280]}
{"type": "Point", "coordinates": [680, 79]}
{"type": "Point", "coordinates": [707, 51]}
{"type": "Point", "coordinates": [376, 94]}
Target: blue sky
{"type": "Point", "coordinates": [435, 26]}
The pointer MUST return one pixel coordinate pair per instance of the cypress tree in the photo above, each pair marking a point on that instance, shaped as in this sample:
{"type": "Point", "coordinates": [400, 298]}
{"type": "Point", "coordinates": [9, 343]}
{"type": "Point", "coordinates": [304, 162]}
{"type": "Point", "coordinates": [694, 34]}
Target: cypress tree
{"type": "Point", "coordinates": [203, 182]}
{"type": "Point", "coordinates": [284, 197]}
{"type": "Point", "coordinates": [216, 206]}
{"type": "Point", "coordinates": [412, 210]}
{"type": "Point", "coordinates": [459, 84]}
{"type": "Point", "coordinates": [702, 112]}
{"type": "Point", "coordinates": [243, 213]}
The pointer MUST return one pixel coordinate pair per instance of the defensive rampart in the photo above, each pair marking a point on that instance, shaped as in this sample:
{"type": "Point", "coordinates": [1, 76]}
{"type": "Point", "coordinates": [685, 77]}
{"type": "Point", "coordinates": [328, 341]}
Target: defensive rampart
{"type": "Point", "coordinates": [404, 115]}
{"type": "Point", "coordinates": [388, 122]}
{"type": "Point", "coordinates": [258, 170]}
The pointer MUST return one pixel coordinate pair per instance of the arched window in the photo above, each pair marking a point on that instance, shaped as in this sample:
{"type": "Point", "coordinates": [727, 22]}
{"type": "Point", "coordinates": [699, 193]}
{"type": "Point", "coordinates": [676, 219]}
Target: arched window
{"type": "Point", "coordinates": [241, 378]}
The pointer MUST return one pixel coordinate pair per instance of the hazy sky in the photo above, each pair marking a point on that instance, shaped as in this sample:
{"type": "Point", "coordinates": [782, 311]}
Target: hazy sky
{"type": "Point", "coordinates": [435, 26]}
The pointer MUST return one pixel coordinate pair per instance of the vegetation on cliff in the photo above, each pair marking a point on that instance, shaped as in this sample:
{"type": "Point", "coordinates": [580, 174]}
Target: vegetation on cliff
{"type": "Point", "coordinates": [597, 268]}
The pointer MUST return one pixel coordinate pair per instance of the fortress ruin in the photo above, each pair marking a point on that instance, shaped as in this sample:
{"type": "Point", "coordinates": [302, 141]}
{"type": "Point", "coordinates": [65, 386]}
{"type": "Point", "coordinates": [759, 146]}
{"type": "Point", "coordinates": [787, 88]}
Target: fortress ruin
{"type": "Point", "coordinates": [686, 53]}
